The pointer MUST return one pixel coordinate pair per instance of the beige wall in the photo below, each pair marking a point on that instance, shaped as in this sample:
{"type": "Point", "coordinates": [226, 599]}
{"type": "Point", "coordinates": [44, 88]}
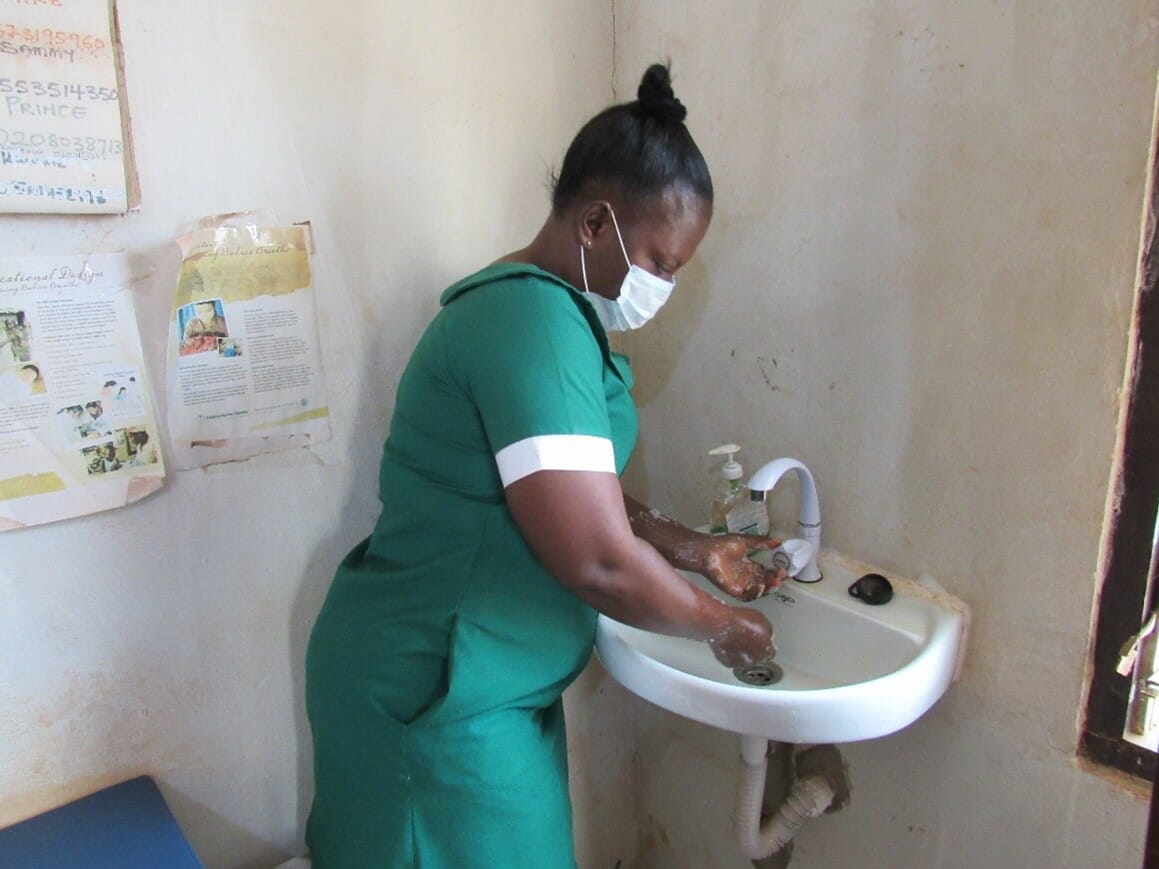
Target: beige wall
{"type": "Point", "coordinates": [168, 637]}
{"type": "Point", "coordinates": [918, 282]}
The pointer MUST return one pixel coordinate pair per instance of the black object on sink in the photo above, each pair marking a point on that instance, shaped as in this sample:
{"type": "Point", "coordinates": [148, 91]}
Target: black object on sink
{"type": "Point", "coordinates": [873, 589]}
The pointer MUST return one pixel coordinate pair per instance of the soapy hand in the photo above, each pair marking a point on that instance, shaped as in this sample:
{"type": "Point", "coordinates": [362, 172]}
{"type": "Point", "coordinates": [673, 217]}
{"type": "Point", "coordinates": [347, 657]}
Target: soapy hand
{"type": "Point", "coordinates": [747, 639]}
{"type": "Point", "coordinates": [724, 562]}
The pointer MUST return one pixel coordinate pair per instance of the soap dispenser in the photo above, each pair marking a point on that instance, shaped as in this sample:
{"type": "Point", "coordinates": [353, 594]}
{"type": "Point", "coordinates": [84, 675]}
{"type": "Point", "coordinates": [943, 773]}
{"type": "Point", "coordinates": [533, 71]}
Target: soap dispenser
{"type": "Point", "coordinates": [732, 509]}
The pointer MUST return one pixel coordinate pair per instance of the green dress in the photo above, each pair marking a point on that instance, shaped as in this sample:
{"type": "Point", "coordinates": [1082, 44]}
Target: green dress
{"type": "Point", "coordinates": [435, 669]}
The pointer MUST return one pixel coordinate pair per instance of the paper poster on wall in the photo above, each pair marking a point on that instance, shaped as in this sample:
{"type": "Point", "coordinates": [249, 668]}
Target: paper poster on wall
{"type": "Point", "coordinates": [78, 433]}
{"type": "Point", "coordinates": [64, 136]}
{"type": "Point", "coordinates": [245, 372]}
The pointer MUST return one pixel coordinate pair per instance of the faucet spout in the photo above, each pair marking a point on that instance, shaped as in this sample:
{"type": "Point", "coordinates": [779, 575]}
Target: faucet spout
{"type": "Point", "coordinates": [809, 510]}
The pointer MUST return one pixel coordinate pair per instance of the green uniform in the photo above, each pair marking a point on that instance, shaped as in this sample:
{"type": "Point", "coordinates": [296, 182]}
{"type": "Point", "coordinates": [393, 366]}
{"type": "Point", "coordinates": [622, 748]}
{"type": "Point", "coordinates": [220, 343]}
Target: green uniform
{"type": "Point", "coordinates": [435, 669]}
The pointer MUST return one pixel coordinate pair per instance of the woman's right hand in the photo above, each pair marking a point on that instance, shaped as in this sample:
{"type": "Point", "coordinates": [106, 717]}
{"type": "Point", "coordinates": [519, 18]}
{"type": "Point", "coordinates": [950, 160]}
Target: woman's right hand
{"type": "Point", "coordinates": [747, 639]}
{"type": "Point", "coordinates": [577, 525]}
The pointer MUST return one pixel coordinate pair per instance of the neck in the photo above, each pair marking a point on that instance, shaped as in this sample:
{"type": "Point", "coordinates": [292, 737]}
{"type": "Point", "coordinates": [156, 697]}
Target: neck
{"type": "Point", "coordinates": [554, 250]}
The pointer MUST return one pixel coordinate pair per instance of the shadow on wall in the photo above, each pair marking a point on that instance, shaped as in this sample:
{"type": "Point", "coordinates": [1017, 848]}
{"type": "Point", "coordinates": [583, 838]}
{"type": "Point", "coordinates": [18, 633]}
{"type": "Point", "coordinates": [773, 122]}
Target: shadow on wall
{"type": "Point", "coordinates": [655, 355]}
{"type": "Point", "coordinates": [661, 342]}
{"type": "Point", "coordinates": [353, 524]}
{"type": "Point", "coordinates": [197, 816]}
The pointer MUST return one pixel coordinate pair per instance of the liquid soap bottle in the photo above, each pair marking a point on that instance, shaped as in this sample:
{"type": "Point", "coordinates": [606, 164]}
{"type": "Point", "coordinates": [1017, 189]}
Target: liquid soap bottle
{"type": "Point", "coordinates": [732, 510]}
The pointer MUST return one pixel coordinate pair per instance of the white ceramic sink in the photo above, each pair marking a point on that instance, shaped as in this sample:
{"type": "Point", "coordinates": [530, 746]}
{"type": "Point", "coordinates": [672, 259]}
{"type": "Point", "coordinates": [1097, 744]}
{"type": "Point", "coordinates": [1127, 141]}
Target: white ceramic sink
{"type": "Point", "coordinates": [851, 671]}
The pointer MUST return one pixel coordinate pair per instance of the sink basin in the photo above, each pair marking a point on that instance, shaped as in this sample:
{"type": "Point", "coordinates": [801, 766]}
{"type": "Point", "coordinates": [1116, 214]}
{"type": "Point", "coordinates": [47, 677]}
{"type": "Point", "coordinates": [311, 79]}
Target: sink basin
{"type": "Point", "coordinates": [848, 670]}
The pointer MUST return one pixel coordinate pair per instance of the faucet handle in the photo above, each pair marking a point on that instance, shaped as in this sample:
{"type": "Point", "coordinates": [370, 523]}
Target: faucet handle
{"type": "Point", "coordinates": [792, 556]}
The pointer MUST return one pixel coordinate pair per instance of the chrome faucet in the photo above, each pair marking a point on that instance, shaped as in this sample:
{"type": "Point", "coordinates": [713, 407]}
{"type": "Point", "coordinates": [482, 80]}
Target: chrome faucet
{"type": "Point", "coordinates": [808, 514]}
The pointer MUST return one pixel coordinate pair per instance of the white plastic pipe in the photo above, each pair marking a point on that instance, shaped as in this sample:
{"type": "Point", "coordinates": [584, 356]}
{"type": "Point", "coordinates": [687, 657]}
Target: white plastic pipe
{"type": "Point", "coordinates": [809, 798]}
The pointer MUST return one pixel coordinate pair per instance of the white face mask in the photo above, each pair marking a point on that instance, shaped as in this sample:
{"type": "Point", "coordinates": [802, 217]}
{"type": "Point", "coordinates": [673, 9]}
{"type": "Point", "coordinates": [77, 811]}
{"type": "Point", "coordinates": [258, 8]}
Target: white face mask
{"type": "Point", "coordinates": [642, 293]}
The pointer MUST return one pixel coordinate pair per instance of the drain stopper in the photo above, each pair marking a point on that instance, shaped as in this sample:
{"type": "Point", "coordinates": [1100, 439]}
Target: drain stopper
{"type": "Point", "coordinates": [761, 674]}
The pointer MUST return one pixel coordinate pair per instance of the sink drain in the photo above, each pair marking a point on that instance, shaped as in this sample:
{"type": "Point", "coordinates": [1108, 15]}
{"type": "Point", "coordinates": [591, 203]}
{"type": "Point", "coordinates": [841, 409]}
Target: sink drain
{"type": "Point", "coordinates": [762, 674]}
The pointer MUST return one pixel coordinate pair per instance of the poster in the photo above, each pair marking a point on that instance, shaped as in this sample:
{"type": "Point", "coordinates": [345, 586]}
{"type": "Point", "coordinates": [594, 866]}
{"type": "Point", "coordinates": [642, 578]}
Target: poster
{"type": "Point", "coordinates": [64, 143]}
{"type": "Point", "coordinates": [78, 432]}
{"type": "Point", "coordinates": [245, 372]}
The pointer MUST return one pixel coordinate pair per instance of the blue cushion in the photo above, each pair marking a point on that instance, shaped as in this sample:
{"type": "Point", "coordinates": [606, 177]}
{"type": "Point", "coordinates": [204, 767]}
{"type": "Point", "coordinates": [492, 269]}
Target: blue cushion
{"type": "Point", "coordinates": [126, 826]}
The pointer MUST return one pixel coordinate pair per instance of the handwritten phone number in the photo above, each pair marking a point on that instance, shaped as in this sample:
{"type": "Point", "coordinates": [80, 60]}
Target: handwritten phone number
{"type": "Point", "coordinates": [52, 38]}
{"type": "Point", "coordinates": [83, 195]}
{"type": "Point", "coordinates": [56, 90]}
{"type": "Point", "coordinates": [86, 147]}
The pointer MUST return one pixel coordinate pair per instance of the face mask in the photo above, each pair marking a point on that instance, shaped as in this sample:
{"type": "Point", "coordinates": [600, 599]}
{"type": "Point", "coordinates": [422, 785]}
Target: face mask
{"type": "Point", "coordinates": [642, 294]}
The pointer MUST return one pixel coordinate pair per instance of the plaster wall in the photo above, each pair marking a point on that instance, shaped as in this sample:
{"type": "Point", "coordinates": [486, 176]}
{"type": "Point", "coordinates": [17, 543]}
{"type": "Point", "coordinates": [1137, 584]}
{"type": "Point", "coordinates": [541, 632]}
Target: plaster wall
{"type": "Point", "coordinates": [918, 282]}
{"type": "Point", "coordinates": [168, 637]}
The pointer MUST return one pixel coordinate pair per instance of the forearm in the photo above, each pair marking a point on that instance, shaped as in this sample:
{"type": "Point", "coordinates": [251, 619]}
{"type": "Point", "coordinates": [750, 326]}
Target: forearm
{"type": "Point", "coordinates": [637, 586]}
{"type": "Point", "coordinates": [722, 559]}
{"type": "Point", "coordinates": [576, 524]}
{"type": "Point", "coordinates": [679, 544]}
{"type": "Point", "coordinates": [642, 590]}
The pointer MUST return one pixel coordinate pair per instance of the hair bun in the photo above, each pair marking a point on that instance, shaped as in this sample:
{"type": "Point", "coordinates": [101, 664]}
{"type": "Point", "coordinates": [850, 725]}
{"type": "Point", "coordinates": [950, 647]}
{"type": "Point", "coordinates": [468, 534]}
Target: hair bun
{"type": "Point", "coordinates": [656, 98]}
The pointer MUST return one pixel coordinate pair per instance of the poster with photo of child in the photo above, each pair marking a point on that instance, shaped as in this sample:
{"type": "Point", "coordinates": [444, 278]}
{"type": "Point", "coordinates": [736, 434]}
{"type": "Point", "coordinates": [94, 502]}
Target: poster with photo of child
{"type": "Point", "coordinates": [102, 458]}
{"type": "Point", "coordinates": [22, 382]}
{"type": "Point", "coordinates": [201, 325]}
{"type": "Point", "coordinates": [121, 394]}
{"type": "Point", "coordinates": [80, 426]}
{"type": "Point", "coordinates": [15, 341]}
{"type": "Point", "coordinates": [83, 422]}
{"type": "Point", "coordinates": [118, 399]}
{"type": "Point", "coordinates": [130, 447]}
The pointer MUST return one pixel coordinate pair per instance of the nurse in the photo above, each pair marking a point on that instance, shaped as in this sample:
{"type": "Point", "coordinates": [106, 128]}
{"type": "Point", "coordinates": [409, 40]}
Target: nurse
{"type": "Point", "coordinates": [436, 666]}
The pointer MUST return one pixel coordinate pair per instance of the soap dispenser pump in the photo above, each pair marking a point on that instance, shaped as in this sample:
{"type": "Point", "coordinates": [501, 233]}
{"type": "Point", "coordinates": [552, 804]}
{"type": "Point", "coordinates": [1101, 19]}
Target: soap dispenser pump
{"type": "Point", "coordinates": [732, 509]}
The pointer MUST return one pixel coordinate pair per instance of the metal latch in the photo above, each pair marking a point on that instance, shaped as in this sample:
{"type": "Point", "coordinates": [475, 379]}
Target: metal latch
{"type": "Point", "coordinates": [1139, 659]}
{"type": "Point", "coordinates": [1130, 649]}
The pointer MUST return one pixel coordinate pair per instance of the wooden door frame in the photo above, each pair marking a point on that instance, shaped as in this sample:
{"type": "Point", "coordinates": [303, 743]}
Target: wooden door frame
{"type": "Point", "coordinates": [1127, 549]}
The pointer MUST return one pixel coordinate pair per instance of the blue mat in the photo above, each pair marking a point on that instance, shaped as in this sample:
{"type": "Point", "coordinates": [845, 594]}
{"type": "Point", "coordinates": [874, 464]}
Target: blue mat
{"type": "Point", "coordinates": [126, 826]}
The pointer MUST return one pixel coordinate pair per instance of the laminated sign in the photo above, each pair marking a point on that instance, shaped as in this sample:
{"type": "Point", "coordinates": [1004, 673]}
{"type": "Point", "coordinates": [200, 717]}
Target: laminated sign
{"type": "Point", "coordinates": [78, 433]}
{"type": "Point", "coordinates": [245, 372]}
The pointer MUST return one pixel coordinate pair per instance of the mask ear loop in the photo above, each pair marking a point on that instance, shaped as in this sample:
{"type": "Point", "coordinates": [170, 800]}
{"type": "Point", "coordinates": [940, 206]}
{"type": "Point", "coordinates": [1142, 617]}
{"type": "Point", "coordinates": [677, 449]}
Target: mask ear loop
{"type": "Point", "coordinates": [584, 269]}
{"type": "Point", "coordinates": [619, 237]}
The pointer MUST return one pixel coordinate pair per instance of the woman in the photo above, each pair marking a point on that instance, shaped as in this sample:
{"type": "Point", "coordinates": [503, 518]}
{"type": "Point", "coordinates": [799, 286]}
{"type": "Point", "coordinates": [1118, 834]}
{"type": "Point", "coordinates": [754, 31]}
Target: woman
{"type": "Point", "coordinates": [144, 453]}
{"type": "Point", "coordinates": [204, 328]}
{"type": "Point", "coordinates": [435, 669]}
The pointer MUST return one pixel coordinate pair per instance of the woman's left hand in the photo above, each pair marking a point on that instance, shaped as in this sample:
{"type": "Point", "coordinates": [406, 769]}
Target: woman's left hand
{"type": "Point", "coordinates": [724, 562]}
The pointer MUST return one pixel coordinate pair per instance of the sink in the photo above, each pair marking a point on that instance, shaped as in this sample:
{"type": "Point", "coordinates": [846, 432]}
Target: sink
{"type": "Point", "coordinates": [845, 670]}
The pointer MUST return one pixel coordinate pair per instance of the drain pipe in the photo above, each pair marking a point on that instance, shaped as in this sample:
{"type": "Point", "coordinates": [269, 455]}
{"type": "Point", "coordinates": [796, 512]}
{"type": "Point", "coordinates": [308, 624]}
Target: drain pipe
{"type": "Point", "coordinates": [810, 797]}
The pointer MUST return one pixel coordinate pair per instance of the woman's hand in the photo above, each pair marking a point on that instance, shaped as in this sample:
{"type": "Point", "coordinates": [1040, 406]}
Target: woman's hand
{"type": "Point", "coordinates": [747, 639]}
{"type": "Point", "coordinates": [719, 558]}
{"type": "Point", "coordinates": [576, 524]}
{"type": "Point", "coordinates": [724, 562]}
